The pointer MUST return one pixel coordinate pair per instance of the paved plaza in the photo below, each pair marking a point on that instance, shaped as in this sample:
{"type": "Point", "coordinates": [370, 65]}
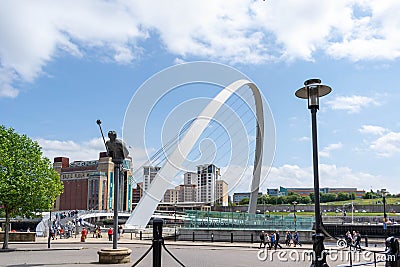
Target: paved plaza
{"type": "Point", "coordinates": [71, 252]}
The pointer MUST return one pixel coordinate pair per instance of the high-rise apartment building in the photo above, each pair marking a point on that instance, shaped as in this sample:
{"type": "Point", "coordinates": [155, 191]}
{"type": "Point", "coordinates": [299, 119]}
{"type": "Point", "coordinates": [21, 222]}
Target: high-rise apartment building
{"type": "Point", "coordinates": [172, 195]}
{"type": "Point", "coordinates": [137, 193]}
{"type": "Point", "coordinates": [222, 193]}
{"type": "Point", "coordinates": [207, 176]}
{"type": "Point", "coordinates": [190, 178]}
{"type": "Point", "coordinates": [204, 186]}
{"type": "Point", "coordinates": [188, 193]}
{"type": "Point", "coordinates": [149, 173]}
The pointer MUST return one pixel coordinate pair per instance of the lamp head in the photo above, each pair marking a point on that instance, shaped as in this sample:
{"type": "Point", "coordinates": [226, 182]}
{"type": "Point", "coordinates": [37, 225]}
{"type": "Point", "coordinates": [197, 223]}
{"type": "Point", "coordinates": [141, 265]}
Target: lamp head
{"type": "Point", "coordinates": [313, 90]}
{"type": "Point", "coordinates": [383, 192]}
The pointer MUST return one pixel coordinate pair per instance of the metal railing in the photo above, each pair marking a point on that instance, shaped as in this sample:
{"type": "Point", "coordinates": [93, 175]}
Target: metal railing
{"type": "Point", "coordinates": [233, 220]}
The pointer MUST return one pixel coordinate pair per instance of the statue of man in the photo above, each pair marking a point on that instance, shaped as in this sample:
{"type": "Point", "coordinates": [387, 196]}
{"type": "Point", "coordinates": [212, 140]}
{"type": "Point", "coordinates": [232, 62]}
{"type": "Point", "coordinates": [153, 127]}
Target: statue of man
{"type": "Point", "coordinates": [116, 148]}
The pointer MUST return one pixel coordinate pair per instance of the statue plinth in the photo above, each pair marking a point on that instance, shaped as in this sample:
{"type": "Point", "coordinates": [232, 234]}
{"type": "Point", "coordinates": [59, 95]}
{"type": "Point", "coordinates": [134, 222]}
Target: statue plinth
{"type": "Point", "coordinates": [114, 256]}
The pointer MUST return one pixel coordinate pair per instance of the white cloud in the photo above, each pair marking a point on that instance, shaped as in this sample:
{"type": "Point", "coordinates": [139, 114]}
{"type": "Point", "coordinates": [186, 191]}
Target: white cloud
{"type": "Point", "coordinates": [371, 129]}
{"type": "Point", "coordinates": [374, 35]}
{"type": "Point", "coordinates": [32, 34]}
{"type": "Point", "coordinates": [326, 151]}
{"type": "Point", "coordinates": [6, 78]}
{"type": "Point", "coordinates": [88, 150]}
{"type": "Point", "coordinates": [330, 176]}
{"type": "Point", "coordinates": [123, 55]}
{"type": "Point", "coordinates": [352, 104]}
{"type": "Point", "coordinates": [240, 31]}
{"type": "Point", "coordinates": [304, 139]}
{"type": "Point", "coordinates": [387, 145]}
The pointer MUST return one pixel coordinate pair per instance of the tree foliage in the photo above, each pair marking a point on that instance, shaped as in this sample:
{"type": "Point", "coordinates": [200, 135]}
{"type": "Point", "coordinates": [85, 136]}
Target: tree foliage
{"type": "Point", "coordinates": [28, 182]}
{"type": "Point", "coordinates": [244, 201]}
{"type": "Point", "coordinates": [292, 197]}
{"type": "Point", "coordinates": [331, 197]}
{"type": "Point", "coordinates": [370, 195]}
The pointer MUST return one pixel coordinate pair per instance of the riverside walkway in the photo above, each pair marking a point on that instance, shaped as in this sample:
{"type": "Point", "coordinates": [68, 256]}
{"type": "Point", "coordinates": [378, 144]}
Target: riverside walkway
{"type": "Point", "coordinates": [72, 252]}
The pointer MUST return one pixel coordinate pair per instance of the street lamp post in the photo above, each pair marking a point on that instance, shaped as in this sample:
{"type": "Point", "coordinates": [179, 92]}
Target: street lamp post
{"type": "Point", "coordinates": [313, 90]}
{"type": "Point", "coordinates": [352, 212]}
{"type": "Point", "coordinates": [383, 193]}
{"type": "Point", "coordinates": [50, 228]}
{"type": "Point", "coordinates": [294, 215]}
{"type": "Point", "coordinates": [175, 223]}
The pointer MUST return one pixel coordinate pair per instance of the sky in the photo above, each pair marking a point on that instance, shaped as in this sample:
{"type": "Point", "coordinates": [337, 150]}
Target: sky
{"type": "Point", "coordinates": [65, 64]}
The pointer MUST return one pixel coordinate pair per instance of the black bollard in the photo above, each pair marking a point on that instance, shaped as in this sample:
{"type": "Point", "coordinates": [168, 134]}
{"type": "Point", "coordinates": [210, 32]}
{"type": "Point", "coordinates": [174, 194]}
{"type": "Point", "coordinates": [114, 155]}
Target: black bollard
{"type": "Point", "coordinates": [193, 237]}
{"type": "Point", "coordinates": [231, 237]}
{"type": "Point", "coordinates": [252, 239]}
{"type": "Point", "coordinates": [157, 241]}
{"type": "Point", "coordinates": [366, 240]}
{"type": "Point", "coordinates": [140, 235]}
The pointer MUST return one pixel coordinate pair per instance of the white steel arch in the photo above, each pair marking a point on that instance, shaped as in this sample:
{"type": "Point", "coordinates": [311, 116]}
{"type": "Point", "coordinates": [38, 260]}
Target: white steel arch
{"type": "Point", "coordinates": [152, 197]}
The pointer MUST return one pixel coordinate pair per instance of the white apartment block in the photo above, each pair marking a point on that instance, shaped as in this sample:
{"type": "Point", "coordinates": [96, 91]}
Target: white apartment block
{"type": "Point", "coordinates": [207, 176]}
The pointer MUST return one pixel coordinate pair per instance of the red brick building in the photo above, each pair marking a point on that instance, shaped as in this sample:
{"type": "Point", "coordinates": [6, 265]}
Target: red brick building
{"type": "Point", "coordinates": [88, 185]}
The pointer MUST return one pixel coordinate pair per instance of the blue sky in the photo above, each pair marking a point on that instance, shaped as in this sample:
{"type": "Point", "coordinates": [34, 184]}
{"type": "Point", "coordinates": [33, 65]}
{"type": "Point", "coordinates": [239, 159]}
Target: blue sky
{"type": "Point", "coordinates": [65, 64]}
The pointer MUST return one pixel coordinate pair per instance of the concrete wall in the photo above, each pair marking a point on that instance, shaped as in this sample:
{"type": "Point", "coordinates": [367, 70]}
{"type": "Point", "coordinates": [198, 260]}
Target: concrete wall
{"type": "Point", "coordinates": [238, 235]}
{"type": "Point", "coordinates": [19, 237]}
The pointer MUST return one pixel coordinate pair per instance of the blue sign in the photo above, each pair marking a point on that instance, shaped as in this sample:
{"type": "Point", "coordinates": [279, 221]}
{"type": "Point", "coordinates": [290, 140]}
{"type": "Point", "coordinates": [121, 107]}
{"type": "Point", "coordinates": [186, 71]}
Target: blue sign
{"type": "Point", "coordinates": [110, 191]}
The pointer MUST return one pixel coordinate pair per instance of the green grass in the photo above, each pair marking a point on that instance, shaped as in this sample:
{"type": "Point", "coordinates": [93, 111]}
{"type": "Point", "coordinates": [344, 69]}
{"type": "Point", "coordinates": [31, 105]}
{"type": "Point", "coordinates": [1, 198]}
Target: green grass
{"type": "Point", "coordinates": [358, 201]}
{"type": "Point", "coordinates": [339, 214]}
{"type": "Point", "coordinates": [389, 201]}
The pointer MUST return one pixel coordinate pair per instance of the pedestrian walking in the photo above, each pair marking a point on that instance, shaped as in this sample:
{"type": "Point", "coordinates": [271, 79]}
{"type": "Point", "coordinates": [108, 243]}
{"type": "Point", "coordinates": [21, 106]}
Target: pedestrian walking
{"type": "Point", "coordinates": [110, 234]}
{"type": "Point", "coordinates": [268, 240]}
{"type": "Point", "coordinates": [84, 234]}
{"type": "Point", "coordinates": [296, 239]}
{"type": "Point", "coordinates": [262, 239]}
{"type": "Point", "coordinates": [288, 239]}
{"type": "Point", "coordinates": [348, 238]}
{"type": "Point", "coordinates": [357, 241]}
{"type": "Point", "coordinates": [120, 231]}
{"type": "Point", "coordinates": [272, 237]}
{"type": "Point", "coordinates": [277, 237]}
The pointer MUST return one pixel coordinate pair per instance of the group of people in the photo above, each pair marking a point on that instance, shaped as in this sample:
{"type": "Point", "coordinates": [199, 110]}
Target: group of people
{"type": "Point", "coordinates": [292, 239]}
{"type": "Point", "coordinates": [65, 224]}
{"type": "Point", "coordinates": [353, 239]}
{"type": "Point", "coordinates": [272, 239]}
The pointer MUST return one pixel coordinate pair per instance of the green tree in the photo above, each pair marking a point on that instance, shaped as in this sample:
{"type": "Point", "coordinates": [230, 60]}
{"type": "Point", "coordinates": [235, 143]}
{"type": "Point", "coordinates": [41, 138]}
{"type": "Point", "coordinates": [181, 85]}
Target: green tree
{"type": "Point", "coordinates": [28, 181]}
{"type": "Point", "coordinates": [312, 197]}
{"type": "Point", "coordinates": [341, 196]}
{"type": "Point", "coordinates": [328, 197]}
{"type": "Point", "coordinates": [305, 200]}
{"type": "Point", "coordinates": [293, 197]}
{"type": "Point", "coordinates": [244, 201]}
{"type": "Point", "coordinates": [272, 200]}
{"type": "Point", "coordinates": [369, 195]}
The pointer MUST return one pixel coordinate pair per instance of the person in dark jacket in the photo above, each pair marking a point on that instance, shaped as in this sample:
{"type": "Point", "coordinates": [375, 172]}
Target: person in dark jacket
{"type": "Point", "coordinates": [262, 239]}
{"type": "Point", "coordinates": [277, 237]}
